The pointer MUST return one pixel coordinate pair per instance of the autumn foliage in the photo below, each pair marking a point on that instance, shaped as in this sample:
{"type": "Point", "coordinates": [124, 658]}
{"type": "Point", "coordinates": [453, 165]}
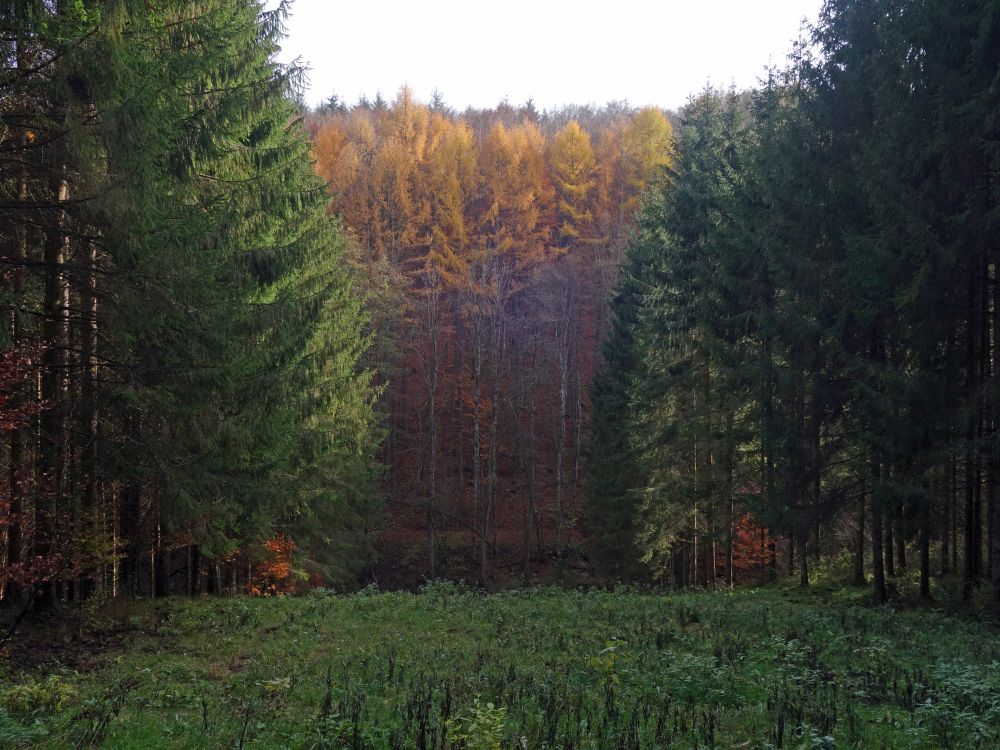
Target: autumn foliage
{"type": "Point", "coordinates": [753, 549]}
{"type": "Point", "coordinates": [276, 573]}
{"type": "Point", "coordinates": [492, 240]}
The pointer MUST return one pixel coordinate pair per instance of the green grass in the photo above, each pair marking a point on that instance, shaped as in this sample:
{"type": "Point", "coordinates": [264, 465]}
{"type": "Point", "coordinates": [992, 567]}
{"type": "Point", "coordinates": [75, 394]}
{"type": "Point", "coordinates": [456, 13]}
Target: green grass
{"type": "Point", "coordinates": [448, 668]}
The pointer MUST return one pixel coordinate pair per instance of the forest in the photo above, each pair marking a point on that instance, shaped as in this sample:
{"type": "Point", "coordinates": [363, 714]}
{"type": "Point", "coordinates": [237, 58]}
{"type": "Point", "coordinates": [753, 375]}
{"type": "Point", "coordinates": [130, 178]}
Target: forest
{"type": "Point", "coordinates": [182, 376]}
{"type": "Point", "coordinates": [253, 346]}
{"type": "Point", "coordinates": [658, 362]}
{"type": "Point", "coordinates": [806, 330]}
{"type": "Point", "coordinates": [492, 240]}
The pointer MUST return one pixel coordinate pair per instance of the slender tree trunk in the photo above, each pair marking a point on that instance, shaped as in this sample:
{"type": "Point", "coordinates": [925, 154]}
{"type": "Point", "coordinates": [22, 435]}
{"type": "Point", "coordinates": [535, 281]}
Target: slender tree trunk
{"type": "Point", "coordinates": [791, 554]}
{"type": "Point", "coordinates": [482, 513]}
{"type": "Point", "coordinates": [977, 513]}
{"type": "Point", "coordinates": [925, 552]}
{"type": "Point", "coordinates": [879, 590]}
{"type": "Point", "coordinates": [213, 584]}
{"type": "Point", "coordinates": [193, 570]}
{"type": "Point", "coordinates": [995, 556]}
{"type": "Point", "coordinates": [730, 497]}
{"type": "Point", "coordinates": [803, 559]}
{"type": "Point", "coordinates": [993, 465]}
{"type": "Point", "coordinates": [432, 387]}
{"type": "Point", "coordinates": [890, 561]}
{"type": "Point", "coordinates": [954, 516]}
{"type": "Point", "coordinates": [13, 592]}
{"type": "Point", "coordinates": [578, 403]}
{"type": "Point", "coordinates": [991, 502]}
{"type": "Point", "coordinates": [769, 432]}
{"type": "Point", "coordinates": [532, 488]}
{"type": "Point", "coordinates": [971, 475]}
{"type": "Point", "coordinates": [772, 558]}
{"type": "Point", "coordinates": [129, 522]}
{"type": "Point", "coordinates": [859, 541]}
{"type": "Point", "coordinates": [51, 467]}
{"type": "Point", "coordinates": [563, 351]}
{"type": "Point", "coordinates": [761, 569]}
{"type": "Point", "coordinates": [694, 523]}
{"type": "Point", "coordinates": [982, 413]}
{"type": "Point", "coordinates": [901, 542]}
{"type": "Point", "coordinates": [946, 520]}
{"type": "Point", "coordinates": [711, 578]}
{"type": "Point", "coordinates": [530, 471]}
{"type": "Point", "coordinates": [969, 577]}
{"type": "Point", "coordinates": [89, 457]}
{"type": "Point", "coordinates": [496, 355]}
{"type": "Point", "coordinates": [163, 560]}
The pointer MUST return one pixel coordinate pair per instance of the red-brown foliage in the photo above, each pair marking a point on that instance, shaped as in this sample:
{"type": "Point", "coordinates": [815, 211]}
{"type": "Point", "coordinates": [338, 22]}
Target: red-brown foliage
{"type": "Point", "coordinates": [276, 574]}
{"type": "Point", "coordinates": [493, 239]}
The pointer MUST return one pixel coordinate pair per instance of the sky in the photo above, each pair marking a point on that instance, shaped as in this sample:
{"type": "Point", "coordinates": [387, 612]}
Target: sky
{"type": "Point", "coordinates": [648, 52]}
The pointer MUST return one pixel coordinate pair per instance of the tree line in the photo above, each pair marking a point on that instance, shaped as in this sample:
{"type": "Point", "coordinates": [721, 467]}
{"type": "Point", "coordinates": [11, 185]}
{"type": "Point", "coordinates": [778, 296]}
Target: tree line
{"type": "Point", "coordinates": [215, 361]}
{"type": "Point", "coordinates": [491, 239]}
{"type": "Point", "coordinates": [182, 378]}
{"type": "Point", "coordinates": [807, 324]}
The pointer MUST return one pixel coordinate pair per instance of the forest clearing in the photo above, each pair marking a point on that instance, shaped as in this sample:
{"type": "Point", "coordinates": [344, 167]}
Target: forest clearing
{"type": "Point", "coordinates": [671, 423]}
{"type": "Point", "coordinates": [543, 668]}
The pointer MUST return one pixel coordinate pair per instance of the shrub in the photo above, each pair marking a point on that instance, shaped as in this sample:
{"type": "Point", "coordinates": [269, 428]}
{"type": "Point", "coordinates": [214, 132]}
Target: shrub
{"type": "Point", "coordinates": [49, 695]}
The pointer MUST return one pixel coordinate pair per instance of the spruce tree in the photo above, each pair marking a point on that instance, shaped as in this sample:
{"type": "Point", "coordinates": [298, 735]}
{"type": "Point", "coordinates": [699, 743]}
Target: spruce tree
{"type": "Point", "coordinates": [201, 341]}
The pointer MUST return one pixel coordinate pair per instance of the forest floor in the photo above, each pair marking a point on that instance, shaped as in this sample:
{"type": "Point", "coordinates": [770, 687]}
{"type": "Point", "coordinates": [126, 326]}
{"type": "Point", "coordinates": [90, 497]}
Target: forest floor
{"type": "Point", "coordinates": [543, 668]}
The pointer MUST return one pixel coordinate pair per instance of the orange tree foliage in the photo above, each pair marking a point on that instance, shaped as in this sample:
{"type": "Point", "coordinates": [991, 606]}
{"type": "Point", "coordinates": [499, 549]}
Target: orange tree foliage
{"type": "Point", "coordinates": [752, 549]}
{"type": "Point", "coordinates": [276, 573]}
{"type": "Point", "coordinates": [497, 234]}
{"type": "Point", "coordinates": [573, 169]}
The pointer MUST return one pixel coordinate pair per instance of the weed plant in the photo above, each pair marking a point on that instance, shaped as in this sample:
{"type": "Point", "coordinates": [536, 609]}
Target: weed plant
{"type": "Point", "coordinates": [452, 669]}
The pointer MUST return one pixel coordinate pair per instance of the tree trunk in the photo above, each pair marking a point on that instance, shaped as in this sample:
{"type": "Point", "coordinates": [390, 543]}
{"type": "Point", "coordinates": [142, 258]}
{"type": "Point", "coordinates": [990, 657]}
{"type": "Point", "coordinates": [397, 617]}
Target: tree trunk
{"type": "Point", "coordinates": [530, 479]}
{"type": "Point", "coordinates": [946, 520]}
{"type": "Point", "coordinates": [482, 514]}
{"type": "Point", "coordinates": [563, 351]}
{"type": "Point", "coordinates": [50, 460]}
{"type": "Point", "coordinates": [971, 474]}
{"type": "Point", "coordinates": [13, 592]}
{"type": "Point", "coordinates": [89, 456]}
{"type": "Point", "coordinates": [925, 552]}
{"type": "Point", "coordinates": [901, 543]}
{"type": "Point", "coordinates": [730, 496]}
{"type": "Point", "coordinates": [432, 384]}
{"type": "Point", "coordinates": [969, 573]}
{"type": "Point", "coordinates": [129, 521]}
{"type": "Point", "coordinates": [954, 516]}
{"type": "Point", "coordinates": [879, 590]}
{"type": "Point", "coordinates": [791, 554]}
{"type": "Point", "coordinates": [803, 559]}
{"type": "Point", "coordinates": [163, 561]}
{"type": "Point", "coordinates": [859, 540]}
{"type": "Point", "coordinates": [496, 355]}
{"type": "Point", "coordinates": [890, 561]}
{"type": "Point", "coordinates": [991, 502]}
{"type": "Point", "coordinates": [995, 557]}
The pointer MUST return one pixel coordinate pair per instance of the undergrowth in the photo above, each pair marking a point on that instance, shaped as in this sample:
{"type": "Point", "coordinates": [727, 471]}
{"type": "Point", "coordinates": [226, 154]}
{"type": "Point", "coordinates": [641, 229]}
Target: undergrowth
{"type": "Point", "coordinates": [451, 669]}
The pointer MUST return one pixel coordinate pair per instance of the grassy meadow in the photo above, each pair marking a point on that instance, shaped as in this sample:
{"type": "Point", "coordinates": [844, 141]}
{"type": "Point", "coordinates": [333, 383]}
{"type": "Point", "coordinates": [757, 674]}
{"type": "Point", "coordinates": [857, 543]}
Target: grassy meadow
{"type": "Point", "coordinates": [542, 668]}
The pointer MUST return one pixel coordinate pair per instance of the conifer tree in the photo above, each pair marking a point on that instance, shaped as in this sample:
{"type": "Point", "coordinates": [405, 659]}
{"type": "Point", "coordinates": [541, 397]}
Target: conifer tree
{"type": "Point", "coordinates": [190, 297]}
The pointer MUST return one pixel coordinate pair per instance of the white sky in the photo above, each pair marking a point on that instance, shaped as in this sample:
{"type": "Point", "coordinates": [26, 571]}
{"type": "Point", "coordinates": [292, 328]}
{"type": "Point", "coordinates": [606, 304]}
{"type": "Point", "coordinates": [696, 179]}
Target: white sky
{"type": "Point", "coordinates": [556, 51]}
